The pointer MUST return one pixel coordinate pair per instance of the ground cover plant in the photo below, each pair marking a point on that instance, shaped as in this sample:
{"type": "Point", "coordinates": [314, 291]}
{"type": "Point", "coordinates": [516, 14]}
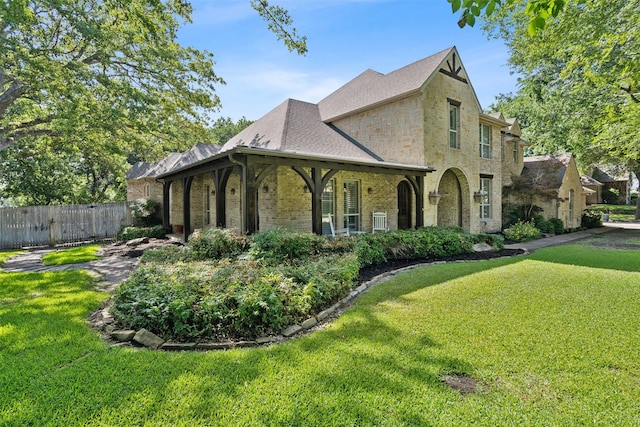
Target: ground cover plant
{"type": "Point", "coordinates": [228, 286]}
{"type": "Point", "coordinates": [543, 339]}
{"type": "Point", "coordinates": [72, 255]}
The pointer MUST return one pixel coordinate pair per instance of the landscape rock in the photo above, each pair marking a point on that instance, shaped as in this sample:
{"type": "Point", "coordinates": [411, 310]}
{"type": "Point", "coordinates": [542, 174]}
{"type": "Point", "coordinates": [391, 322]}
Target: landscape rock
{"type": "Point", "coordinates": [175, 346]}
{"type": "Point", "coordinates": [148, 339]}
{"type": "Point", "coordinates": [328, 312]}
{"type": "Point", "coordinates": [291, 330]}
{"type": "Point", "coordinates": [123, 335]}
{"type": "Point", "coordinates": [483, 247]}
{"type": "Point", "coordinates": [138, 241]}
{"type": "Point", "coordinates": [309, 323]}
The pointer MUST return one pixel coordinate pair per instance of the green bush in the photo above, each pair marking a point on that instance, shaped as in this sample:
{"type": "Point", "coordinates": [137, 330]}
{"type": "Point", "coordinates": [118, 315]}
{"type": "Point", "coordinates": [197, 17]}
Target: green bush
{"type": "Point", "coordinates": [284, 245]}
{"type": "Point", "coordinates": [145, 212]}
{"type": "Point", "coordinates": [217, 243]}
{"type": "Point", "coordinates": [522, 232]}
{"type": "Point", "coordinates": [558, 225]}
{"type": "Point", "coordinates": [167, 254]}
{"type": "Point", "coordinates": [216, 300]}
{"type": "Point", "coordinates": [611, 196]}
{"type": "Point", "coordinates": [495, 240]}
{"type": "Point", "coordinates": [591, 219]}
{"type": "Point", "coordinates": [132, 232]}
{"type": "Point", "coordinates": [369, 250]}
{"type": "Point", "coordinates": [545, 226]}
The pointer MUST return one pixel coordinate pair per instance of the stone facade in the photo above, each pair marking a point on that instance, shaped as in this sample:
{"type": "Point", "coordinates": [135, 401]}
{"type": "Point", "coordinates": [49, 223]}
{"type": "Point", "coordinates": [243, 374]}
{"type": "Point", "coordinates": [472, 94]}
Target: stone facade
{"type": "Point", "coordinates": [395, 123]}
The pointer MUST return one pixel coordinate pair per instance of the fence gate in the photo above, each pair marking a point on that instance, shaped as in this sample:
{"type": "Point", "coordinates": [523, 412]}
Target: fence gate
{"type": "Point", "coordinates": [49, 225]}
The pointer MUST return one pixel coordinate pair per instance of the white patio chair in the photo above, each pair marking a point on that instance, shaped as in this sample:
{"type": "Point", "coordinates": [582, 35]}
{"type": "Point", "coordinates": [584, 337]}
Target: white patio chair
{"type": "Point", "coordinates": [336, 231]}
{"type": "Point", "coordinates": [379, 222]}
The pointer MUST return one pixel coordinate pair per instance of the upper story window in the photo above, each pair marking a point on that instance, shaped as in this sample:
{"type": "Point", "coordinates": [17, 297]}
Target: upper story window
{"type": "Point", "coordinates": [485, 141]}
{"type": "Point", "coordinates": [515, 151]}
{"type": "Point", "coordinates": [502, 142]}
{"type": "Point", "coordinates": [485, 202]}
{"type": "Point", "coordinates": [454, 124]}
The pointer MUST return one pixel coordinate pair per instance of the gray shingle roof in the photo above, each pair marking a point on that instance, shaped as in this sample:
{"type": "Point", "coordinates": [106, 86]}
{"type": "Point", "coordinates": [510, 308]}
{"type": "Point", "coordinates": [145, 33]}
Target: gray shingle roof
{"type": "Point", "coordinates": [548, 171]}
{"type": "Point", "coordinates": [173, 161]}
{"type": "Point", "coordinates": [295, 127]}
{"type": "Point", "coordinates": [371, 87]}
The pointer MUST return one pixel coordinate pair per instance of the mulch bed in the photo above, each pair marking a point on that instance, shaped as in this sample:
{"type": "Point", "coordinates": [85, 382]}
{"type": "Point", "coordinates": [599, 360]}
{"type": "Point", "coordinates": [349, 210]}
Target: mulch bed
{"type": "Point", "coordinates": [368, 273]}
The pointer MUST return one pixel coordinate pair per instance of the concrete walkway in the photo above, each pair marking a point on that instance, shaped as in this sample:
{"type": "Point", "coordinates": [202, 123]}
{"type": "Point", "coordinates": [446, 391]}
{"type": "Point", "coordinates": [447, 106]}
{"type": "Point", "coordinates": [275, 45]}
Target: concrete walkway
{"type": "Point", "coordinates": [110, 271]}
{"type": "Point", "coordinates": [570, 237]}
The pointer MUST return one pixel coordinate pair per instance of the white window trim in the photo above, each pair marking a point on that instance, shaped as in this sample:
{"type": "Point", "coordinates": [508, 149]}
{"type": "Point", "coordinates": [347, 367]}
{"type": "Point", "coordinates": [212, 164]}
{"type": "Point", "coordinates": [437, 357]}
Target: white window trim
{"type": "Point", "coordinates": [454, 130]}
{"type": "Point", "coordinates": [485, 202]}
{"type": "Point", "coordinates": [485, 144]}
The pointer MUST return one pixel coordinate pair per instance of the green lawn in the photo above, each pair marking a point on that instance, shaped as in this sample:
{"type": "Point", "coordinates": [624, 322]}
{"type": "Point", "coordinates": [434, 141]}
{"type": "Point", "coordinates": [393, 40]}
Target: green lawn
{"type": "Point", "coordinates": [549, 343]}
{"type": "Point", "coordinates": [5, 255]}
{"type": "Point", "coordinates": [72, 256]}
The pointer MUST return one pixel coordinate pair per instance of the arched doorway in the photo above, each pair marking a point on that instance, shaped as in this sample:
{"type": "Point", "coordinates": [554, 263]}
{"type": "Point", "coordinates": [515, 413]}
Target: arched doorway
{"type": "Point", "coordinates": [404, 205]}
{"type": "Point", "coordinates": [453, 207]}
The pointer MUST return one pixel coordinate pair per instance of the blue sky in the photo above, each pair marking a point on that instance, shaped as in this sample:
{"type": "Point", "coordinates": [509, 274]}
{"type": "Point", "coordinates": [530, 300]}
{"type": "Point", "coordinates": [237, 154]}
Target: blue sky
{"type": "Point", "coordinates": [344, 38]}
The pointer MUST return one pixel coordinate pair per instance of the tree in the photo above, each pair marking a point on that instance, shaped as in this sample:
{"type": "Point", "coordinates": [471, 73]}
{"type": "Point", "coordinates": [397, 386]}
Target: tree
{"type": "Point", "coordinates": [538, 12]}
{"type": "Point", "coordinates": [103, 81]}
{"type": "Point", "coordinates": [580, 84]}
{"type": "Point", "coordinates": [224, 129]}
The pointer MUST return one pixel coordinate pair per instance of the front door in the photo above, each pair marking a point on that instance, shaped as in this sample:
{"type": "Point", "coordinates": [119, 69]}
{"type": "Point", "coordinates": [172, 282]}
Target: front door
{"type": "Point", "coordinates": [404, 205]}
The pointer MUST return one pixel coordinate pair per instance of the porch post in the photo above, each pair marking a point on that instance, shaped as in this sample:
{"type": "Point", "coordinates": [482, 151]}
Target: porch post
{"type": "Point", "coordinates": [186, 205]}
{"type": "Point", "coordinates": [220, 178]}
{"type": "Point", "coordinates": [166, 191]}
{"type": "Point", "coordinates": [419, 201]}
{"type": "Point", "coordinates": [316, 200]}
{"type": "Point", "coordinates": [250, 205]}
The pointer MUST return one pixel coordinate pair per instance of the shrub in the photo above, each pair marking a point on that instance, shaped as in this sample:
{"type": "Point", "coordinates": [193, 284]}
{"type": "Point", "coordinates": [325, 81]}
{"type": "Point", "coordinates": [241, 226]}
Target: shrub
{"type": "Point", "coordinates": [495, 240]}
{"type": "Point", "coordinates": [545, 226]}
{"type": "Point", "coordinates": [145, 212]}
{"type": "Point", "coordinates": [522, 232]}
{"type": "Point", "coordinates": [223, 299]}
{"type": "Point", "coordinates": [132, 232]}
{"type": "Point", "coordinates": [611, 196]}
{"type": "Point", "coordinates": [217, 243]}
{"type": "Point", "coordinates": [284, 245]}
{"type": "Point", "coordinates": [591, 219]}
{"type": "Point", "coordinates": [558, 225]}
{"type": "Point", "coordinates": [167, 255]}
{"type": "Point", "coordinates": [369, 250]}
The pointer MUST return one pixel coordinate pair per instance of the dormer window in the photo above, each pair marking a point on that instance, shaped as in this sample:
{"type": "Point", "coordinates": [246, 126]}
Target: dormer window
{"type": "Point", "coordinates": [515, 151]}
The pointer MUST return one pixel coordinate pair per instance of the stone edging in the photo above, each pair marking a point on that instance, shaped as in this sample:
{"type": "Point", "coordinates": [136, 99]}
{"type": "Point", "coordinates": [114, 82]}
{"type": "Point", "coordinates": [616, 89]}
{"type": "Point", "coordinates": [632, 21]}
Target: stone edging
{"type": "Point", "coordinates": [104, 321]}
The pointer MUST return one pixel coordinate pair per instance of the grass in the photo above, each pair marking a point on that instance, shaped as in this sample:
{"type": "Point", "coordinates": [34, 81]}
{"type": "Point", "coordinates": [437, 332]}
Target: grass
{"type": "Point", "coordinates": [5, 255]}
{"type": "Point", "coordinates": [72, 256]}
{"type": "Point", "coordinates": [549, 340]}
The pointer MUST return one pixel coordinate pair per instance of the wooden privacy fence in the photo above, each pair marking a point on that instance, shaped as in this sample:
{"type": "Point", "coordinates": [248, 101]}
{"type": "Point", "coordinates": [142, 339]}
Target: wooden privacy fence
{"type": "Point", "coordinates": [50, 225]}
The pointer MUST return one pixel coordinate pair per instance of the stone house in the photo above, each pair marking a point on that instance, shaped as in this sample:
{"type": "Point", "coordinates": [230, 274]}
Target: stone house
{"type": "Point", "coordinates": [413, 143]}
{"type": "Point", "coordinates": [619, 182]}
{"type": "Point", "coordinates": [551, 182]}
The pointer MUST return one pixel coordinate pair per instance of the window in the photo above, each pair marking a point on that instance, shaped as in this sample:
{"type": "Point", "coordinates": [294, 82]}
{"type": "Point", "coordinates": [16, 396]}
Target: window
{"type": "Point", "coordinates": [328, 199]}
{"type": "Point", "coordinates": [352, 205]}
{"type": "Point", "coordinates": [485, 202]}
{"type": "Point", "coordinates": [502, 147]}
{"type": "Point", "coordinates": [207, 205]}
{"type": "Point", "coordinates": [515, 151]}
{"type": "Point", "coordinates": [485, 141]}
{"type": "Point", "coordinates": [147, 190]}
{"type": "Point", "coordinates": [454, 125]}
{"type": "Point", "coordinates": [571, 203]}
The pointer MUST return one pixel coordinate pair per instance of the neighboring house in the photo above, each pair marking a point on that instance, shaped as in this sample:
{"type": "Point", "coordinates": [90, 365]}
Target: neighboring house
{"type": "Point", "coordinates": [619, 182]}
{"type": "Point", "coordinates": [593, 189]}
{"type": "Point", "coordinates": [551, 182]}
{"type": "Point", "coordinates": [413, 143]}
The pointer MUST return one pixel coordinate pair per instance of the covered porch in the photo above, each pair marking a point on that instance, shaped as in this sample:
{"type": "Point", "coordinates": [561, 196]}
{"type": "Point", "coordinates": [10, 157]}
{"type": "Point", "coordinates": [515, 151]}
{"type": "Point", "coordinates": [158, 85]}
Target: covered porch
{"type": "Point", "coordinates": [299, 179]}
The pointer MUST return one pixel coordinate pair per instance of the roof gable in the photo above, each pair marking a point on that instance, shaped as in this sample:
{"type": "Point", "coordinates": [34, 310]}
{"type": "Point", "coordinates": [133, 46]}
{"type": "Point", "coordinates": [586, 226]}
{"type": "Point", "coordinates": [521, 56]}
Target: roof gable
{"type": "Point", "coordinates": [372, 88]}
{"type": "Point", "coordinates": [295, 127]}
{"type": "Point", "coordinates": [547, 171]}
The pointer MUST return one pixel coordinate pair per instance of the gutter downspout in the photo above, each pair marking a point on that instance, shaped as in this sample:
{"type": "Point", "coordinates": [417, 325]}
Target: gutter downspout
{"type": "Point", "coordinates": [243, 191]}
